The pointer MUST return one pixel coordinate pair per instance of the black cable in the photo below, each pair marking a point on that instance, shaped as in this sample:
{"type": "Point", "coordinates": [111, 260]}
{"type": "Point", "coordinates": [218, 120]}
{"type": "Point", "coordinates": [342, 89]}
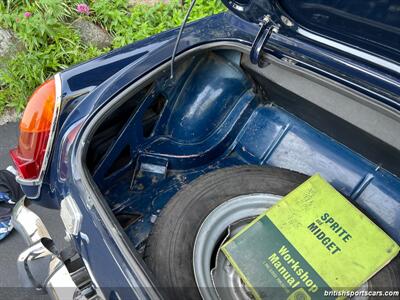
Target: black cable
{"type": "Point", "coordinates": [179, 36]}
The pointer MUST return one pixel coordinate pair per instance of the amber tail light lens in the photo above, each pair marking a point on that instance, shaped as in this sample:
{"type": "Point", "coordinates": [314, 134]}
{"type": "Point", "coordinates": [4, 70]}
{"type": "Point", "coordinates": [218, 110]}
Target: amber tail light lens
{"type": "Point", "coordinates": [35, 129]}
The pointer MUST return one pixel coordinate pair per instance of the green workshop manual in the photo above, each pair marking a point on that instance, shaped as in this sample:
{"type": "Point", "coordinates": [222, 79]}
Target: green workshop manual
{"type": "Point", "coordinates": [308, 245]}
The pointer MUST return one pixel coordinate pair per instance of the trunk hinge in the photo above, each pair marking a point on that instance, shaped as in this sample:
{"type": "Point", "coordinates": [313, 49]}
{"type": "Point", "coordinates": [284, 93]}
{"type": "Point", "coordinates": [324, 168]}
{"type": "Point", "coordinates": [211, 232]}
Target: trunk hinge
{"type": "Point", "coordinates": [267, 26]}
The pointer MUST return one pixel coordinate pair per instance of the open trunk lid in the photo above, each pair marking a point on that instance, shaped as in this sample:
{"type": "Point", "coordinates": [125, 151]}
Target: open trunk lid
{"type": "Point", "coordinates": [372, 26]}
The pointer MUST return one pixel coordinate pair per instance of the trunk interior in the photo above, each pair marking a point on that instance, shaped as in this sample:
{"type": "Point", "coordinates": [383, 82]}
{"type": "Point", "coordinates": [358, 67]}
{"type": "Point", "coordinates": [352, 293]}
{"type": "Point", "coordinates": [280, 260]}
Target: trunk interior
{"type": "Point", "coordinates": [221, 111]}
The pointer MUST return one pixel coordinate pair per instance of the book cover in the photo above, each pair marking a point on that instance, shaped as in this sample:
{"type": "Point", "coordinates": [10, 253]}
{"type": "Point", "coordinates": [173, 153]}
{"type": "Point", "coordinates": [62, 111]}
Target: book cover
{"type": "Point", "coordinates": [309, 243]}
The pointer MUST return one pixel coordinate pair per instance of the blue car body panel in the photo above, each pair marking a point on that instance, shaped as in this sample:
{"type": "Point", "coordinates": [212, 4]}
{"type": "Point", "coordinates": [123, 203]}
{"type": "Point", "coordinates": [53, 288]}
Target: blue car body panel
{"type": "Point", "coordinates": [365, 24]}
{"type": "Point", "coordinates": [103, 78]}
{"type": "Point", "coordinates": [368, 24]}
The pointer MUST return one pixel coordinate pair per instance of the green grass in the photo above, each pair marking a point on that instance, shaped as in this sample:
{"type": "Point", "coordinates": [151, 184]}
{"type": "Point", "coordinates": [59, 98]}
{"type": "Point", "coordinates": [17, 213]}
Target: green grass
{"type": "Point", "coordinates": [50, 43]}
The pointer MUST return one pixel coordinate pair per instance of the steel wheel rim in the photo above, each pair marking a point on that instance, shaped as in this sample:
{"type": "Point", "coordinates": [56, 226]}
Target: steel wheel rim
{"type": "Point", "coordinates": [209, 234]}
{"type": "Point", "coordinates": [213, 228]}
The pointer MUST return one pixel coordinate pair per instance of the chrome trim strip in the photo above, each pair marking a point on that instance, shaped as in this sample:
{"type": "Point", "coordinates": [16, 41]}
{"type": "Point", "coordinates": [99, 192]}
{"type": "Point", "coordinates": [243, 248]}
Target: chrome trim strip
{"type": "Point", "coordinates": [57, 106]}
{"type": "Point", "coordinates": [369, 57]}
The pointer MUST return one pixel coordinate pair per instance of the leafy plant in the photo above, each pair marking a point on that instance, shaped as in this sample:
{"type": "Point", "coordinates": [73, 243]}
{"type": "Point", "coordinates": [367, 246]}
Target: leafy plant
{"type": "Point", "coordinates": [51, 44]}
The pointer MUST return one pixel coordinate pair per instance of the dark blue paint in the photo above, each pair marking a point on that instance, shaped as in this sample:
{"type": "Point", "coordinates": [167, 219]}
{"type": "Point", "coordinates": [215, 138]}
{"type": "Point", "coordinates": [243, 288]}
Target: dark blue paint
{"type": "Point", "coordinates": [110, 74]}
{"type": "Point", "coordinates": [251, 10]}
{"type": "Point", "coordinates": [219, 134]}
{"type": "Point", "coordinates": [102, 256]}
{"type": "Point", "coordinates": [308, 151]}
{"type": "Point", "coordinates": [366, 24]}
{"type": "Point", "coordinates": [380, 83]}
{"type": "Point", "coordinates": [224, 100]}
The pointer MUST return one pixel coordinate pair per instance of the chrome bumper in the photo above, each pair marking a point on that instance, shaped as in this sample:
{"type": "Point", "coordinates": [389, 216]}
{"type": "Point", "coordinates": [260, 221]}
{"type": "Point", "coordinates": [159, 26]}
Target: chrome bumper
{"type": "Point", "coordinates": [40, 266]}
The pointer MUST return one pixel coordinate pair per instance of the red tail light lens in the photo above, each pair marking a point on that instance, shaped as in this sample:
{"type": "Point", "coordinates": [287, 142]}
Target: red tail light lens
{"type": "Point", "coordinates": [35, 129]}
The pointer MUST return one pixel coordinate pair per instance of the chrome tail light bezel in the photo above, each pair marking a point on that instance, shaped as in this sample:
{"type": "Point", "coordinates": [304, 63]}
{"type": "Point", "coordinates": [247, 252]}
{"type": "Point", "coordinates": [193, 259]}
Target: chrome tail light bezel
{"type": "Point", "coordinates": [37, 182]}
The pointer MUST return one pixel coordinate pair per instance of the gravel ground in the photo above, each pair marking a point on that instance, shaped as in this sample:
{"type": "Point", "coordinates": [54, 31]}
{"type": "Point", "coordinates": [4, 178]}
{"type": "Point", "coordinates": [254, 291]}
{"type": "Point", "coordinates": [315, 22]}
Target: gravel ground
{"type": "Point", "coordinates": [12, 246]}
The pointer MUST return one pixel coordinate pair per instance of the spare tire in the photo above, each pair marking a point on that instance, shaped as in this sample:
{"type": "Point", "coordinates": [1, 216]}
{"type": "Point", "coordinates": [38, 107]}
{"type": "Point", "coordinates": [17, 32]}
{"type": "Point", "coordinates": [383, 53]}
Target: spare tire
{"type": "Point", "coordinates": [170, 249]}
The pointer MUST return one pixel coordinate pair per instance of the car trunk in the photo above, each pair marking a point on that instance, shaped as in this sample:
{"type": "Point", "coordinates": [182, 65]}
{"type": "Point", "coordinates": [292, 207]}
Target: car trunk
{"type": "Point", "coordinates": [219, 110]}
